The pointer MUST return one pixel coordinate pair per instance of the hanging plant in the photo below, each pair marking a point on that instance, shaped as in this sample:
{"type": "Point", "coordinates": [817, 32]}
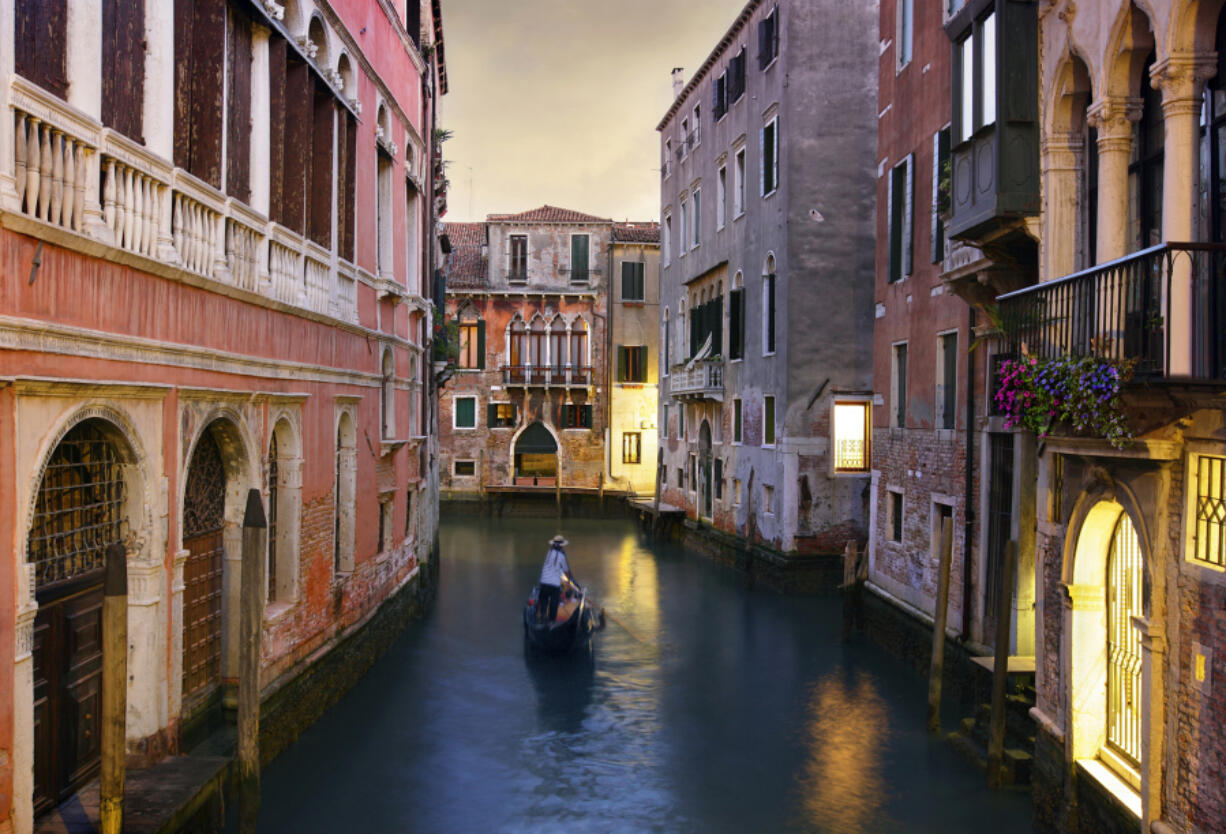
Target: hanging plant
{"type": "Point", "coordinates": [1083, 393]}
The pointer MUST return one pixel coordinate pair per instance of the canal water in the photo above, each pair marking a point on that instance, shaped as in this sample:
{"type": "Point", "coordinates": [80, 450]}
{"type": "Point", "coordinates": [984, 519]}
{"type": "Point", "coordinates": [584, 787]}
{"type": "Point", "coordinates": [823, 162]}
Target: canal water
{"type": "Point", "coordinates": [704, 707]}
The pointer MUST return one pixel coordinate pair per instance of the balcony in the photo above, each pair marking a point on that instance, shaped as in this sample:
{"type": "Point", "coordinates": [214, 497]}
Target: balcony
{"type": "Point", "coordinates": [534, 376]}
{"type": "Point", "coordinates": [76, 178]}
{"type": "Point", "coordinates": [1163, 307]}
{"type": "Point", "coordinates": [700, 379]}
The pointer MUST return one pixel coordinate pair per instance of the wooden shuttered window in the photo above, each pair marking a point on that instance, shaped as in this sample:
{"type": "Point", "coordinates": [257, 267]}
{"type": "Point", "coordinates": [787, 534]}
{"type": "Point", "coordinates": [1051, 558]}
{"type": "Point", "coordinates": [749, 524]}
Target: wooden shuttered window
{"type": "Point", "coordinates": [40, 41]}
{"type": "Point", "coordinates": [632, 363]}
{"type": "Point", "coordinates": [277, 57]}
{"type": "Point", "coordinates": [238, 105]}
{"type": "Point", "coordinates": [296, 163]}
{"type": "Point", "coordinates": [901, 213]}
{"type": "Point", "coordinates": [736, 324]}
{"type": "Point", "coordinates": [319, 194]}
{"type": "Point", "coordinates": [200, 39]}
{"type": "Point", "coordinates": [346, 182]}
{"type": "Point", "coordinates": [575, 415]}
{"type": "Point", "coordinates": [768, 39]}
{"type": "Point", "coordinates": [578, 258]}
{"type": "Point", "coordinates": [123, 59]}
{"type": "Point", "coordinates": [632, 281]}
{"type": "Point", "coordinates": [719, 96]}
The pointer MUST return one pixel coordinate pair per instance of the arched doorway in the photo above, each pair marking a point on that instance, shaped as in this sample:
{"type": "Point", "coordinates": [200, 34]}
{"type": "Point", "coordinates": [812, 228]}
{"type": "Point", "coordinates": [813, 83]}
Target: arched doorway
{"type": "Point", "coordinates": [79, 512]}
{"type": "Point", "coordinates": [704, 469]}
{"type": "Point", "coordinates": [1124, 643]}
{"type": "Point", "coordinates": [536, 457]}
{"type": "Point", "coordinates": [204, 502]}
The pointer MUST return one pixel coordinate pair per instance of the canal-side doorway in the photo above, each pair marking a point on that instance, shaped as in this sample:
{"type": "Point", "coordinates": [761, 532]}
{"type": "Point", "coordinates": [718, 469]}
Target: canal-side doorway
{"type": "Point", "coordinates": [536, 457]}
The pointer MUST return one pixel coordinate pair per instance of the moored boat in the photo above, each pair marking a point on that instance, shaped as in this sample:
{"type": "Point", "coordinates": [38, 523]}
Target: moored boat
{"type": "Point", "coordinates": [572, 629]}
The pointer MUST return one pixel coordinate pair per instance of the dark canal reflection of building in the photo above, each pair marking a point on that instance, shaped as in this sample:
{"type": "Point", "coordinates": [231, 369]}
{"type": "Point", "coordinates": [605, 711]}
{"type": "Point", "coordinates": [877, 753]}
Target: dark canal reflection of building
{"type": "Point", "coordinates": [706, 707]}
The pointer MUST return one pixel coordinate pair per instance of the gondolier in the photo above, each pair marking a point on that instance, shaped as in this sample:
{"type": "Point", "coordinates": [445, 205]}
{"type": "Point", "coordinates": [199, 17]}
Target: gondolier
{"type": "Point", "coordinates": [556, 568]}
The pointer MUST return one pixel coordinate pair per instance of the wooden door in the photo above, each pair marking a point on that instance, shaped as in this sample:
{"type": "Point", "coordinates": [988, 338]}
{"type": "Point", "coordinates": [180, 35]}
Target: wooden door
{"type": "Point", "coordinates": [67, 695]}
{"type": "Point", "coordinates": [203, 538]}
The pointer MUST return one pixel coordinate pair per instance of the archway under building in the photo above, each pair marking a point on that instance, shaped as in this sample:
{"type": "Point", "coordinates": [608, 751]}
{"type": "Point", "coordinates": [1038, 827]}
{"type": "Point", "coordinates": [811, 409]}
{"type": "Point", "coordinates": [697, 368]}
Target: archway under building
{"type": "Point", "coordinates": [536, 457]}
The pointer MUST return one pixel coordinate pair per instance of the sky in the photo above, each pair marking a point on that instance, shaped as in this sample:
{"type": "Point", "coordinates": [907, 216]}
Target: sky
{"type": "Point", "coordinates": [557, 101]}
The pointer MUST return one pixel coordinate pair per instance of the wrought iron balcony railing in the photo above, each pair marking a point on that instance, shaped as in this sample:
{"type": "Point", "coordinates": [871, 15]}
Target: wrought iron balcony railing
{"type": "Point", "coordinates": [698, 380]}
{"type": "Point", "coordinates": [1163, 307]}
{"type": "Point", "coordinates": [538, 376]}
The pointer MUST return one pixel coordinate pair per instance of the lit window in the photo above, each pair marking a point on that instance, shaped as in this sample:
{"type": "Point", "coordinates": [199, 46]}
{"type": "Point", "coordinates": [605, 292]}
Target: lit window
{"type": "Point", "coordinates": [632, 447]}
{"type": "Point", "coordinates": [1209, 543]}
{"type": "Point", "coordinates": [501, 415]}
{"type": "Point", "coordinates": [472, 344]}
{"type": "Point", "coordinates": [851, 436]}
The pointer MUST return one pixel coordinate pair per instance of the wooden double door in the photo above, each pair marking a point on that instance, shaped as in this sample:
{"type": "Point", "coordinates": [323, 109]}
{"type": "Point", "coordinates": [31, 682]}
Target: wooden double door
{"type": "Point", "coordinates": [67, 656]}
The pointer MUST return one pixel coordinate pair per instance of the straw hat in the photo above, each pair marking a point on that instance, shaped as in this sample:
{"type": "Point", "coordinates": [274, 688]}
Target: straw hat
{"type": "Point", "coordinates": [558, 541]}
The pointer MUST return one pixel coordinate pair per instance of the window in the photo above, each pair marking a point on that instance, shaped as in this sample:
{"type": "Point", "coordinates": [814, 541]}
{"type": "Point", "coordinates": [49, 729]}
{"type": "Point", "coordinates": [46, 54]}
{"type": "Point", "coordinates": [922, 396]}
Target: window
{"type": "Point", "coordinates": [680, 477]}
{"type": "Point", "coordinates": [736, 420]}
{"type": "Point", "coordinates": [738, 189]}
{"type": "Point", "coordinates": [940, 191]}
{"type": "Point", "coordinates": [501, 415]}
{"type": "Point", "coordinates": [517, 268]}
{"type": "Point", "coordinates": [895, 519]}
{"type": "Point", "coordinates": [900, 198]}
{"type": "Point", "coordinates": [852, 429]}
{"type": "Point", "coordinates": [685, 228]}
{"type": "Point", "coordinates": [947, 381]}
{"type": "Point", "coordinates": [632, 447]}
{"type": "Point", "coordinates": [1209, 536]}
{"type": "Point", "coordinates": [385, 524]}
{"type": "Point", "coordinates": [465, 468]}
{"type": "Point", "coordinates": [898, 380]}
{"type": "Point", "coordinates": [719, 96]}
{"type": "Point", "coordinates": [123, 82]}
{"type": "Point", "coordinates": [578, 344]}
{"type": "Point", "coordinates": [770, 157]}
{"type": "Point", "coordinates": [693, 479]}
{"type": "Point", "coordinates": [768, 309]}
{"type": "Point", "coordinates": [412, 225]}
{"type": "Point", "coordinates": [681, 423]}
{"type": "Point", "coordinates": [383, 213]}
{"type": "Point", "coordinates": [666, 248]}
{"type": "Point", "coordinates": [940, 513]}
{"type": "Point", "coordinates": [576, 416]}
{"type": "Point", "coordinates": [632, 363]}
{"type": "Point", "coordinates": [668, 158]}
{"type": "Point", "coordinates": [1124, 602]}
{"type": "Point", "coordinates": [667, 341]}
{"type": "Point", "coordinates": [697, 218]}
{"type": "Point", "coordinates": [472, 344]}
{"type": "Point", "coordinates": [387, 394]}
{"type": "Point", "coordinates": [736, 324]}
{"type": "Point", "coordinates": [721, 196]}
{"type": "Point", "coordinates": [557, 346]}
{"type": "Point", "coordinates": [906, 31]}
{"type": "Point", "coordinates": [632, 281]}
{"type": "Point", "coordinates": [41, 43]}
{"type": "Point", "coordinates": [736, 77]}
{"type": "Point", "coordinates": [697, 124]}
{"type": "Point", "coordinates": [768, 499]}
{"type": "Point", "coordinates": [975, 77]}
{"type": "Point", "coordinates": [1145, 168]}
{"type": "Point", "coordinates": [768, 38]}
{"type": "Point", "coordinates": [578, 259]}
{"type": "Point", "coordinates": [718, 478]}
{"type": "Point", "coordinates": [465, 416]}
{"type": "Point", "coordinates": [687, 141]}
{"type": "Point", "coordinates": [664, 421]}
{"type": "Point", "coordinates": [768, 421]}
{"type": "Point", "coordinates": [736, 491]}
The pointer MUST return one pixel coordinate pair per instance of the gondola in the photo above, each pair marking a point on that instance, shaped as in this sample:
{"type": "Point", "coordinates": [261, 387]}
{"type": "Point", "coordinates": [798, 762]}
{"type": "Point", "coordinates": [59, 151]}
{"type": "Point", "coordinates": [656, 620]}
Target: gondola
{"type": "Point", "coordinates": [572, 629]}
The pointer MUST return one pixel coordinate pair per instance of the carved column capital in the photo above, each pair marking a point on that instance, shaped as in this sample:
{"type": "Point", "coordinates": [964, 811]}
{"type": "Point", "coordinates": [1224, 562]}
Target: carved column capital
{"type": "Point", "coordinates": [1181, 78]}
{"type": "Point", "coordinates": [1113, 118]}
{"type": "Point", "coordinates": [25, 633]}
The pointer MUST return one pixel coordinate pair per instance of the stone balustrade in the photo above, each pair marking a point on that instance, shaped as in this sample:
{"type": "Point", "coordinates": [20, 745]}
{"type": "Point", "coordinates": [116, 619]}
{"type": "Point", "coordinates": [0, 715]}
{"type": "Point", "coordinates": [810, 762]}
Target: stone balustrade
{"type": "Point", "coordinates": [73, 173]}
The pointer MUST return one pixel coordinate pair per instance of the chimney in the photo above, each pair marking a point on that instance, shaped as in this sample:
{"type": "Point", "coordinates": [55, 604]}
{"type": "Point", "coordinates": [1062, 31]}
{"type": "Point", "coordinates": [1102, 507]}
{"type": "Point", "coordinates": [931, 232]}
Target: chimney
{"type": "Point", "coordinates": [678, 81]}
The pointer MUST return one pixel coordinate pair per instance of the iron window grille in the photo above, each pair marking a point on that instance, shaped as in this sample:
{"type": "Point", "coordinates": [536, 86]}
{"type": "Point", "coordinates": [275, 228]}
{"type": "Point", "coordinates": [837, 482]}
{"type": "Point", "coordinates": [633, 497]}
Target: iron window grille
{"type": "Point", "coordinates": [1124, 644]}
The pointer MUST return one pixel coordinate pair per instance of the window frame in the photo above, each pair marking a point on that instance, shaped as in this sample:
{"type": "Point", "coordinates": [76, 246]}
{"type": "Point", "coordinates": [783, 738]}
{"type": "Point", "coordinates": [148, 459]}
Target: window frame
{"type": "Point", "coordinates": [696, 239]}
{"type": "Point", "coordinates": [721, 196]}
{"type": "Point", "coordinates": [866, 405]}
{"type": "Point", "coordinates": [898, 385]}
{"type": "Point", "coordinates": [738, 192]}
{"type": "Point", "coordinates": [455, 468]}
{"type": "Point", "coordinates": [769, 418]}
{"type": "Point", "coordinates": [945, 413]}
{"type": "Point", "coordinates": [773, 124]}
{"type": "Point", "coordinates": [515, 276]}
{"type": "Point", "coordinates": [900, 218]}
{"type": "Point", "coordinates": [455, 412]}
{"type": "Point", "coordinates": [632, 448]}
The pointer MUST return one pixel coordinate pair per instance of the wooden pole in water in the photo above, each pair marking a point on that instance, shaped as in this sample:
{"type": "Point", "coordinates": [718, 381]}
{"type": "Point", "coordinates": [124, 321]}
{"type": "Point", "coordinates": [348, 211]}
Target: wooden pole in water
{"type": "Point", "coordinates": [938, 627]}
{"type": "Point", "coordinates": [114, 688]}
{"type": "Point", "coordinates": [1000, 673]}
{"type": "Point", "coordinates": [251, 619]}
{"type": "Point", "coordinates": [655, 514]}
{"type": "Point", "coordinates": [851, 589]}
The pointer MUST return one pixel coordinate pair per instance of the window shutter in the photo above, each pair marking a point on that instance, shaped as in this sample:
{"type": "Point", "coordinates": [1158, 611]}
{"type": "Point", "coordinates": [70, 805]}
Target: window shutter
{"type": "Point", "coordinates": [627, 279]}
{"type": "Point", "coordinates": [587, 416]}
{"type": "Point", "coordinates": [734, 325]}
{"type": "Point", "coordinates": [621, 363]}
{"type": "Point", "coordinates": [895, 260]}
{"type": "Point", "coordinates": [770, 313]}
{"type": "Point", "coordinates": [491, 415]}
{"type": "Point", "coordinates": [775, 32]}
{"type": "Point", "coordinates": [763, 43]}
{"type": "Point", "coordinates": [908, 221]}
{"type": "Point", "coordinates": [762, 161]}
{"type": "Point", "coordinates": [481, 343]}
{"type": "Point", "coordinates": [934, 230]}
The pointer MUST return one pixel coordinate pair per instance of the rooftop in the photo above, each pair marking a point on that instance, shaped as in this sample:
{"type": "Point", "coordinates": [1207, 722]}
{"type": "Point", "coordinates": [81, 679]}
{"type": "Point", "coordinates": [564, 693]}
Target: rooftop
{"type": "Point", "coordinates": [636, 232]}
{"type": "Point", "coordinates": [548, 214]}
{"type": "Point", "coordinates": [466, 263]}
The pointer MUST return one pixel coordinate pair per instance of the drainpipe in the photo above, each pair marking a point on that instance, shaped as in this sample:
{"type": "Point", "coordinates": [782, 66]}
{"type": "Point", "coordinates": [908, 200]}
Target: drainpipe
{"type": "Point", "coordinates": [968, 503]}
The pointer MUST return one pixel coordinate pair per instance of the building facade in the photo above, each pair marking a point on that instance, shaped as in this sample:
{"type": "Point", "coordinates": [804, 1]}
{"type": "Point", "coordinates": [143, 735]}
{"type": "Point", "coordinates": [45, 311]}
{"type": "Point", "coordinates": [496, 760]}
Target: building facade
{"type": "Point", "coordinates": [527, 307]}
{"type": "Point", "coordinates": [767, 218]}
{"type": "Point", "coordinates": [634, 314]}
{"type": "Point", "coordinates": [217, 219]}
{"type": "Point", "coordinates": [1128, 555]}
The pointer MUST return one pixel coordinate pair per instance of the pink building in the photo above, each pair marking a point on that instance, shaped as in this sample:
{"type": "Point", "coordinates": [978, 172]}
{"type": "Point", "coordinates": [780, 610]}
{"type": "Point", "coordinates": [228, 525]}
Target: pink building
{"type": "Point", "coordinates": [218, 222]}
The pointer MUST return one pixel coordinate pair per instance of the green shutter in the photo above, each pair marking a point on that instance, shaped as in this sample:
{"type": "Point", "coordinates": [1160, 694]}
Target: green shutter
{"type": "Point", "coordinates": [621, 363]}
{"type": "Point", "coordinates": [578, 258]}
{"type": "Point", "coordinates": [465, 412]}
{"type": "Point", "coordinates": [481, 343]}
{"type": "Point", "coordinates": [587, 416]}
{"type": "Point", "coordinates": [491, 415]}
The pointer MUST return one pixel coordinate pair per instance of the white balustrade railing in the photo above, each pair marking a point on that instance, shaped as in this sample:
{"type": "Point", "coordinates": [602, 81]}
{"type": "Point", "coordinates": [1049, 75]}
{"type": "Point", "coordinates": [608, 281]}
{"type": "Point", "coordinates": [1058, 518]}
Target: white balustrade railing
{"type": "Point", "coordinates": [132, 206]}
{"type": "Point", "coordinates": [72, 172]}
{"type": "Point", "coordinates": [50, 167]}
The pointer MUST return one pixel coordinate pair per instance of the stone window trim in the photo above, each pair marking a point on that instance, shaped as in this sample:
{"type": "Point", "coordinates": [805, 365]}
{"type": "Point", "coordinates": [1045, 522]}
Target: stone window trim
{"type": "Point", "coordinates": [904, 36]}
{"type": "Point", "coordinates": [1204, 571]}
{"type": "Point", "coordinates": [864, 400]}
{"type": "Point", "coordinates": [892, 522]}
{"type": "Point", "coordinates": [456, 467]}
{"type": "Point", "coordinates": [455, 400]}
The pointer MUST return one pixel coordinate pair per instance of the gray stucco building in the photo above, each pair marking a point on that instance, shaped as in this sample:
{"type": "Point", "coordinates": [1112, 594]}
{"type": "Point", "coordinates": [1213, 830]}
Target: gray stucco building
{"type": "Point", "coordinates": [767, 192]}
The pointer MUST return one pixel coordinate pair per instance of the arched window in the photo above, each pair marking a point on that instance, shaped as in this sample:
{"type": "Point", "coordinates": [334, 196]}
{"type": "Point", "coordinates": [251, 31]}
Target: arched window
{"type": "Point", "coordinates": [1124, 602]}
{"type": "Point", "coordinates": [667, 340]}
{"type": "Point", "coordinates": [1145, 167]}
{"type": "Point", "coordinates": [284, 508]}
{"type": "Point", "coordinates": [518, 343]}
{"type": "Point", "coordinates": [346, 486]}
{"type": "Point", "coordinates": [768, 306]}
{"type": "Point", "coordinates": [1213, 125]}
{"type": "Point", "coordinates": [387, 394]}
{"type": "Point", "coordinates": [536, 343]}
{"type": "Point", "coordinates": [578, 344]}
{"type": "Point", "coordinates": [557, 345]}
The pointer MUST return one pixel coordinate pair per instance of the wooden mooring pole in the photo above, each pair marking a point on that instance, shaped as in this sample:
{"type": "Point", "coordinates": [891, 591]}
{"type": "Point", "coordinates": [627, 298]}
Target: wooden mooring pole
{"type": "Point", "coordinates": [938, 627]}
{"type": "Point", "coordinates": [114, 689]}
{"type": "Point", "coordinates": [1000, 672]}
{"type": "Point", "coordinates": [251, 619]}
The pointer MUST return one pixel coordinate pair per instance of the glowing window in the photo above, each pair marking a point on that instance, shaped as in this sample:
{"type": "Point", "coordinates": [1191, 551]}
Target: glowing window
{"type": "Point", "coordinates": [851, 448]}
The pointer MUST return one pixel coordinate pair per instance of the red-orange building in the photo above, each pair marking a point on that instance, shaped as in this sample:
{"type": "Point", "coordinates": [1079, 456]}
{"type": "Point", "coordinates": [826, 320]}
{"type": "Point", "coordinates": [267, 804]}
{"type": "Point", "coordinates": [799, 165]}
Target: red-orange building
{"type": "Point", "coordinates": [217, 234]}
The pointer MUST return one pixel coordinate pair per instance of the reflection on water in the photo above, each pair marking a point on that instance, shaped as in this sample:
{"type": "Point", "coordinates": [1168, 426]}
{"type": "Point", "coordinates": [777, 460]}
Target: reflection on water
{"type": "Point", "coordinates": [705, 707]}
{"type": "Point", "coordinates": [846, 728]}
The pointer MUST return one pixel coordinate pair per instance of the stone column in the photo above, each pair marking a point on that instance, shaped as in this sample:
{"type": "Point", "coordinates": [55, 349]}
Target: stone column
{"type": "Point", "coordinates": [260, 128]}
{"type": "Point", "coordinates": [175, 674]}
{"type": "Point", "coordinates": [1062, 160]}
{"type": "Point", "coordinates": [1084, 667]}
{"type": "Point", "coordinates": [84, 56]}
{"type": "Point", "coordinates": [23, 721]}
{"type": "Point", "coordinates": [159, 112]}
{"type": "Point", "coordinates": [146, 626]}
{"type": "Point", "coordinates": [1113, 117]}
{"type": "Point", "coordinates": [1181, 78]}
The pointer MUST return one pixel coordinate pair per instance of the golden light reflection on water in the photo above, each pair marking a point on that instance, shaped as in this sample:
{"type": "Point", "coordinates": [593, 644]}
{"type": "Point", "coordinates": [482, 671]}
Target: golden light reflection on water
{"type": "Point", "coordinates": [841, 783]}
{"type": "Point", "coordinates": [633, 593]}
